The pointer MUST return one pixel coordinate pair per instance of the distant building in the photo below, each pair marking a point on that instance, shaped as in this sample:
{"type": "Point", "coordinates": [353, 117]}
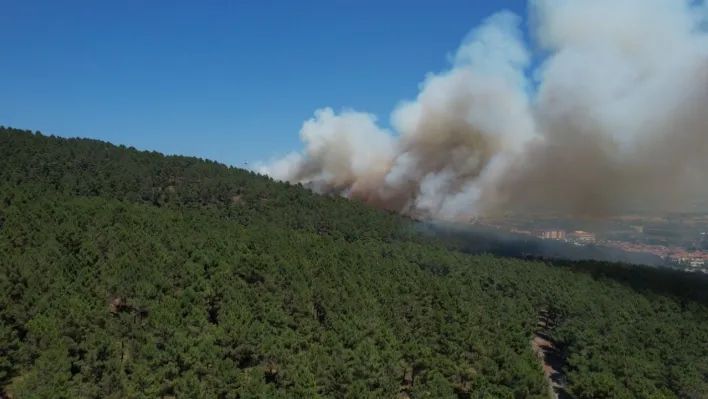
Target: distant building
{"type": "Point", "coordinates": [552, 234]}
{"type": "Point", "coordinates": [582, 237]}
{"type": "Point", "coordinates": [692, 258]}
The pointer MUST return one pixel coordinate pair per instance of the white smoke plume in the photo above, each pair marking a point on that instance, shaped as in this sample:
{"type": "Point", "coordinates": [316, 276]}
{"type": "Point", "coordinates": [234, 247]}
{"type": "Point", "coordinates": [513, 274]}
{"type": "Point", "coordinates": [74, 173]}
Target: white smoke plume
{"type": "Point", "coordinates": [612, 118]}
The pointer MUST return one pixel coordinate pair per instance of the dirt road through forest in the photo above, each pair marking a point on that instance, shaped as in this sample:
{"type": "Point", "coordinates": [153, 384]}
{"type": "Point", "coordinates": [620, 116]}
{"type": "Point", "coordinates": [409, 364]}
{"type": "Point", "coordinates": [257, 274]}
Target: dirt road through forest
{"type": "Point", "coordinates": [552, 361]}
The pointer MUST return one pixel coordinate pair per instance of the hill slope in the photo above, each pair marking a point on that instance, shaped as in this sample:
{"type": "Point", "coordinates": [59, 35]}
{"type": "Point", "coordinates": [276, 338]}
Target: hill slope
{"type": "Point", "coordinates": [131, 274]}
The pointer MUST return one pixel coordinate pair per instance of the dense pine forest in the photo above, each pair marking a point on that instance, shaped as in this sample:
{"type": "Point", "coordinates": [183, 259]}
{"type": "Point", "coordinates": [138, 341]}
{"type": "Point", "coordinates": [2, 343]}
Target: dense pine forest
{"type": "Point", "coordinates": [129, 274]}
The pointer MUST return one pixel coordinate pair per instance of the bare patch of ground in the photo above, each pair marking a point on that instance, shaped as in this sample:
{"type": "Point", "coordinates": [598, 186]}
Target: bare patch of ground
{"type": "Point", "coordinates": [551, 359]}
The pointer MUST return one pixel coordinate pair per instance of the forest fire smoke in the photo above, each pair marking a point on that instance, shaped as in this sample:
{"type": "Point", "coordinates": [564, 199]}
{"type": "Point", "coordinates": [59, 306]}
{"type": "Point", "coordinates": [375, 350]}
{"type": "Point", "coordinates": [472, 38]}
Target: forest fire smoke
{"type": "Point", "coordinates": [613, 115]}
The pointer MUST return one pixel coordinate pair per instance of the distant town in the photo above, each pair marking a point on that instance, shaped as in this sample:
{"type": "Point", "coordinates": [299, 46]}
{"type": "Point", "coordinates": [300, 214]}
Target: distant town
{"type": "Point", "coordinates": [680, 240]}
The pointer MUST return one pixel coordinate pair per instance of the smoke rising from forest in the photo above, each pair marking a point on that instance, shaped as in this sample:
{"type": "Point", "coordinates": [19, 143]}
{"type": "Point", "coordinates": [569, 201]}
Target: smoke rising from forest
{"type": "Point", "coordinates": [614, 114]}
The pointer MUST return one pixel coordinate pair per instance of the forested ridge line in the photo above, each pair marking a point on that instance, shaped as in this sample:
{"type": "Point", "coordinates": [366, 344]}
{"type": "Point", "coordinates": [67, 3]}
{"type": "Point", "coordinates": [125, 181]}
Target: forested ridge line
{"type": "Point", "coordinates": [132, 274]}
{"type": "Point", "coordinates": [87, 167]}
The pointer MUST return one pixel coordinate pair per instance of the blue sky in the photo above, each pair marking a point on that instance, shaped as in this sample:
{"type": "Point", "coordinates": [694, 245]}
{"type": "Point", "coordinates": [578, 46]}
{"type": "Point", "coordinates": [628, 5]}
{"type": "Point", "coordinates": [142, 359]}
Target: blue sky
{"type": "Point", "coordinates": [226, 80]}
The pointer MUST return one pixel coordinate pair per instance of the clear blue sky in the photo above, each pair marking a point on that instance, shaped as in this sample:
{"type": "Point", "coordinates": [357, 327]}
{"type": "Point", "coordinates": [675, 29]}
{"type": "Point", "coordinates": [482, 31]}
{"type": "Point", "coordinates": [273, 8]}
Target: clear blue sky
{"type": "Point", "coordinates": [226, 80]}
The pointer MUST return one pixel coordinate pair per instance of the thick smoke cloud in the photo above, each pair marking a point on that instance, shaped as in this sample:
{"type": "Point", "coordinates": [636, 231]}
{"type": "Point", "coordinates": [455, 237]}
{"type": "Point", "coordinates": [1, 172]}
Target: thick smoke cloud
{"type": "Point", "coordinates": [614, 117]}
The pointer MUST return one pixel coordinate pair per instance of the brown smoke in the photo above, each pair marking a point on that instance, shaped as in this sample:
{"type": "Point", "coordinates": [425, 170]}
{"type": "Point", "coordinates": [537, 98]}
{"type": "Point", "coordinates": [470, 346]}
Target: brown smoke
{"type": "Point", "coordinates": [615, 121]}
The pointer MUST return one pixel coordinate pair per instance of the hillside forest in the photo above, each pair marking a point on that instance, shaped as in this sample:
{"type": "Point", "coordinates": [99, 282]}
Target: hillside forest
{"type": "Point", "coordinates": [130, 274]}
